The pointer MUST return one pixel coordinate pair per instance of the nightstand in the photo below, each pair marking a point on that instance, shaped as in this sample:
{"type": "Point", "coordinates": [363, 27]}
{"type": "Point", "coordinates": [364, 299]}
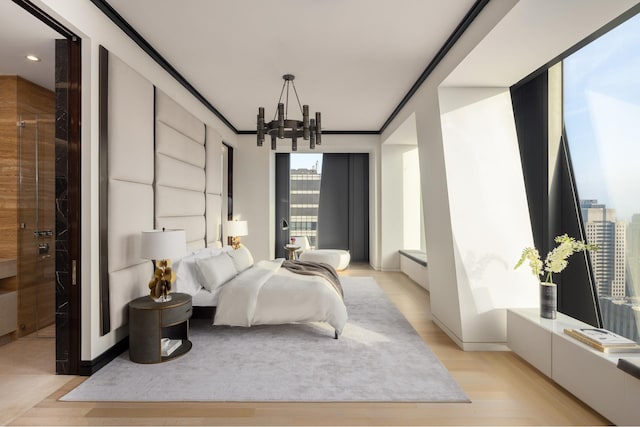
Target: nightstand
{"type": "Point", "coordinates": [291, 248]}
{"type": "Point", "coordinates": [150, 321]}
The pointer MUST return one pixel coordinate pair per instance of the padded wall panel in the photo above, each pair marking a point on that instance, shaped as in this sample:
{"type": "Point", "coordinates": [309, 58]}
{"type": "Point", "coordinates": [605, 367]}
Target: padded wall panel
{"type": "Point", "coordinates": [174, 144]}
{"type": "Point", "coordinates": [178, 202]}
{"type": "Point", "coordinates": [130, 129]}
{"type": "Point", "coordinates": [214, 180]}
{"type": "Point", "coordinates": [173, 114]}
{"type": "Point", "coordinates": [130, 212]}
{"type": "Point", "coordinates": [127, 187]}
{"type": "Point", "coordinates": [131, 283]}
{"type": "Point", "coordinates": [176, 173]}
{"type": "Point", "coordinates": [180, 171]}
{"type": "Point", "coordinates": [193, 226]}
{"type": "Point", "coordinates": [214, 219]}
{"type": "Point", "coordinates": [214, 161]}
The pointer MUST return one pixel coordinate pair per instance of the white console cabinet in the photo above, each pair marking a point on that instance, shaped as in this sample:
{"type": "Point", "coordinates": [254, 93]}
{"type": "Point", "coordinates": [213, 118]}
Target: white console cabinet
{"type": "Point", "coordinates": [8, 300]}
{"type": "Point", "coordinates": [8, 312]}
{"type": "Point", "coordinates": [590, 375]}
{"type": "Point", "coordinates": [414, 264]}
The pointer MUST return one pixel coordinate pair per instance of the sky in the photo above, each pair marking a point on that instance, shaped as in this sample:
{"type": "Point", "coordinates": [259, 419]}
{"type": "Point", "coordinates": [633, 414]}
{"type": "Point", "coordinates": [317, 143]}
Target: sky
{"type": "Point", "coordinates": [306, 160]}
{"type": "Point", "coordinates": [602, 118]}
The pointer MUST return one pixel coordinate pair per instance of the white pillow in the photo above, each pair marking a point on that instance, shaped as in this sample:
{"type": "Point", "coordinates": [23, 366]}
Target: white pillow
{"type": "Point", "coordinates": [242, 258]}
{"type": "Point", "coordinates": [215, 271]}
{"type": "Point", "coordinates": [187, 280]}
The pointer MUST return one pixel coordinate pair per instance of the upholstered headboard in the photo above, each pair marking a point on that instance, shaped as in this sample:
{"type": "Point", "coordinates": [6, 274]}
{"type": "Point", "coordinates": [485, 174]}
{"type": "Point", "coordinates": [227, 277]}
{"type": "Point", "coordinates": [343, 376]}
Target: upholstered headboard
{"type": "Point", "coordinates": [161, 167]}
{"type": "Point", "coordinates": [180, 171]}
{"type": "Point", "coordinates": [188, 180]}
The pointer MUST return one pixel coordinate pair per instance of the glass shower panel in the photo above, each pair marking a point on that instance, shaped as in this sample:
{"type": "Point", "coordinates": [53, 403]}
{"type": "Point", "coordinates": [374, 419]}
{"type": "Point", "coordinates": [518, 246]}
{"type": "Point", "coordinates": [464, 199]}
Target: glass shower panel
{"type": "Point", "coordinates": [36, 216]}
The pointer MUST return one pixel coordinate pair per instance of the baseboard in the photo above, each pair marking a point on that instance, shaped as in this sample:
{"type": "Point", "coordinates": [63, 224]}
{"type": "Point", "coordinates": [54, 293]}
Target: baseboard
{"type": "Point", "coordinates": [5, 339]}
{"type": "Point", "coordinates": [485, 346]}
{"type": "Point", "coordinates": [90, 367]}
{"type": "Point", "coordinates": [447, 331]}
{"type": "Point", "coordinates": [471, 346]}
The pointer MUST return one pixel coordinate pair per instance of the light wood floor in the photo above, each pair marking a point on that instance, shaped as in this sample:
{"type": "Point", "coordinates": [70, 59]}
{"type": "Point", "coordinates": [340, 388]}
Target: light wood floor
{"type": "Point", "coordinates": [503, 388]}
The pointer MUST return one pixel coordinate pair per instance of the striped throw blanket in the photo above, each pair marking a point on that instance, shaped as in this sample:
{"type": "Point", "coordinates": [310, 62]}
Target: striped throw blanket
{"type": "Point", "coordinates": [315, 269]}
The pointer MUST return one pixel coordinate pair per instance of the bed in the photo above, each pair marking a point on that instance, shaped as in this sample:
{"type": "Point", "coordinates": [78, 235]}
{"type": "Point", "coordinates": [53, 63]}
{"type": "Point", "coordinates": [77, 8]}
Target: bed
{"type": "Point", "coordinates": [271, 292]}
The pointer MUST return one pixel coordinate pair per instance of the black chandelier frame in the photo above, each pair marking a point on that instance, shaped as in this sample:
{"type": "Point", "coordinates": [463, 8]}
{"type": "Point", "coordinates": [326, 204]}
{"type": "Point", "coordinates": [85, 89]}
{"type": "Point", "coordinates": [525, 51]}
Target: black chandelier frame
{"type": "Point", "coordinates": [282, 127]}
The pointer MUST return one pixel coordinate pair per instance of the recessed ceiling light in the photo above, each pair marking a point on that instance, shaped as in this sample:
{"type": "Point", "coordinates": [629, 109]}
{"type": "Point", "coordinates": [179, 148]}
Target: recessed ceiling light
{"type": "Point", "coordinates": [33, 58]}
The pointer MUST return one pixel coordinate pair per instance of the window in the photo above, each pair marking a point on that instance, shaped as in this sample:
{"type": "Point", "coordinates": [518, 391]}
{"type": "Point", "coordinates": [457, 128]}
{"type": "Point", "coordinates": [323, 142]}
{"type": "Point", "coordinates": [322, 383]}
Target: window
{"type": "Point", "coordinates": [601, 113]}
{"type": "Point", "coordinates": [305, 176]}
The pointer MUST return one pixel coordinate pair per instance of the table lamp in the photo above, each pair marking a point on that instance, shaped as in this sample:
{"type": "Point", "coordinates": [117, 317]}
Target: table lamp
{"type": "Point", "coordinates": [161, 246]}
{"type": "Point", "coordinates": [235, 229]}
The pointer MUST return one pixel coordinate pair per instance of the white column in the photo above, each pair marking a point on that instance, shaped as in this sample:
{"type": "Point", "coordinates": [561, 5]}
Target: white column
{"type": "Point", "coordinates": [488, 208]}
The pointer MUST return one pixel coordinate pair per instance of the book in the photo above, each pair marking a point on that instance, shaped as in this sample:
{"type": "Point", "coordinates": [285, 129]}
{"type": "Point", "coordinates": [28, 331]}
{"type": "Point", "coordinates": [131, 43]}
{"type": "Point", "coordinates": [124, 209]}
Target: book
{"type": "Point", "coordinates": [604, 340]}
{"type": "Point", "coordinates": [168, 346]}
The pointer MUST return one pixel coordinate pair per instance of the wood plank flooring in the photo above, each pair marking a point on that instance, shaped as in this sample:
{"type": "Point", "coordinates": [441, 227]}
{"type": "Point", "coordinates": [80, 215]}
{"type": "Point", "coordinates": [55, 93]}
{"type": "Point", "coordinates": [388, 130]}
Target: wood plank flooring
{"type": "Point", "coordinates": [503, 388]}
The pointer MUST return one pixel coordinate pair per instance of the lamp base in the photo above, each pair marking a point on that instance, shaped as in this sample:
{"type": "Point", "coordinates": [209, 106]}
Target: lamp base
{"type": "Point", "coordinates": [164, 298]}
{"type": "Point", "coordinates": [235, 242]}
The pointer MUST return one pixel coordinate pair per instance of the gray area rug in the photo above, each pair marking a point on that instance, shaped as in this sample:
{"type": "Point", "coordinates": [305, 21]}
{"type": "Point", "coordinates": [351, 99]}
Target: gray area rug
{"type": "Point", "coordinates": [378, 358]}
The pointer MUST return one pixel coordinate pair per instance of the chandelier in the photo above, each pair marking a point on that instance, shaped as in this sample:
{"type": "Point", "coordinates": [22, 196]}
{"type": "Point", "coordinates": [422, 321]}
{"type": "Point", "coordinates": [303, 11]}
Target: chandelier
{"type": "Point", "coordinates": [282, 127]}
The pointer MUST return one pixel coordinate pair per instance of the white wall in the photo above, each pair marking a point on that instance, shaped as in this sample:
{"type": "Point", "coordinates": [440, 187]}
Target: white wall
{"type": "Point", "coordinates": [254, 186]}
{"type": "Point", "coordinates": [413, 228]}
{"type": "Point", "coordinates": [95, 29]}
{"type": "Point", "coordinates": [254, 194]}
{"type": "Point", "coordinates": [391, 210]}
{"type": "Point", "coordinates": [400, 225]}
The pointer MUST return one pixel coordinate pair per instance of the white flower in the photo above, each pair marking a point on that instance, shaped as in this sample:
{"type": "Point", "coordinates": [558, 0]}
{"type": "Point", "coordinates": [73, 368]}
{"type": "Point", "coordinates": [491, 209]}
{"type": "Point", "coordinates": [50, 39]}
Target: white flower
{"type": "Point", "coordinates": [556, 259]}
{"type": "Point", "coordinates": [533, 256]}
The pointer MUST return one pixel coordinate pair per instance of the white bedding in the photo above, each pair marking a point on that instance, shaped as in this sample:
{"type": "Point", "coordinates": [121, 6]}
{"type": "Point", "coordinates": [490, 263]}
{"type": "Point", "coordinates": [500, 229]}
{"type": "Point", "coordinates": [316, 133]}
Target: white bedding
{"type": "Point", "coordinates": [204, 298]}
{"type": "Point", "coordinates": [267, 294]}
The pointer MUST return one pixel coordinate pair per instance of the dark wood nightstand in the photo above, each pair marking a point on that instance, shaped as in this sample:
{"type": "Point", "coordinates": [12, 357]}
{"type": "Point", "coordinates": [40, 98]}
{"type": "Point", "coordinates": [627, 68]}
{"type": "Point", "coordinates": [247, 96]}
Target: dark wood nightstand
{"type": "Point", "coordinates": [150, 321]}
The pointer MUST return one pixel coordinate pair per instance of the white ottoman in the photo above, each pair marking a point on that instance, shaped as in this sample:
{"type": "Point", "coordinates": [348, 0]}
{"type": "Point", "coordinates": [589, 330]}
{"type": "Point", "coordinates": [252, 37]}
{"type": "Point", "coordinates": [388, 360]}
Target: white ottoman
{"type": "Point", "coordinates": [336, 258]}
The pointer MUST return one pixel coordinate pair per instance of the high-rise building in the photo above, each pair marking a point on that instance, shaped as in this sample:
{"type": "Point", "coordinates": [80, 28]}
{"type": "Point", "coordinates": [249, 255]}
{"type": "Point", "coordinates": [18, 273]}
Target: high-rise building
{"type": "Point", "coordinates": [603, 229]}
{"type": "Point", "coordinates": [621, 316]}
{"type": "Point", "coordinates": [304, 199]}
{"type": "Point", "coordinates": [633, 255]}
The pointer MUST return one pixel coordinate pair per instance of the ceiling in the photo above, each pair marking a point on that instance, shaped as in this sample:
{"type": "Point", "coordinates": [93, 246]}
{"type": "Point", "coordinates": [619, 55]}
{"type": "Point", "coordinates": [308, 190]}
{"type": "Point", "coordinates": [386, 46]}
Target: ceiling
{"type": "Point", "coordinates": [20, 35]}
{"type": "Point", "coordinates": [354, 60]}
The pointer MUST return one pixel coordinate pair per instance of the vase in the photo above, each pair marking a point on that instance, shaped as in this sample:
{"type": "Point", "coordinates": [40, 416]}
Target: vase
{"type": "Point", "coordinates": [548, 300]}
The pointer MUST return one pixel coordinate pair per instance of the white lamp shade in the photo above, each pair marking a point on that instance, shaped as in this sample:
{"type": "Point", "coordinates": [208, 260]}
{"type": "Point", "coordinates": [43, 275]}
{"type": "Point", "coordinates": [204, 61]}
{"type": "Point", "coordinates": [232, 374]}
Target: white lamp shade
{"type": "Point", "coordinates": [159, 244]}
{"type": "Point", "coordinates": [237, 228]}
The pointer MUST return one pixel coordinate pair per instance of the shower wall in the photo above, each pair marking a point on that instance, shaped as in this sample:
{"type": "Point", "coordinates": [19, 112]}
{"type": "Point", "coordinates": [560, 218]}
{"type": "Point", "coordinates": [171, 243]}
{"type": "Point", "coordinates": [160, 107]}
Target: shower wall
{"type": "Point", "coordinates": [27, 185]}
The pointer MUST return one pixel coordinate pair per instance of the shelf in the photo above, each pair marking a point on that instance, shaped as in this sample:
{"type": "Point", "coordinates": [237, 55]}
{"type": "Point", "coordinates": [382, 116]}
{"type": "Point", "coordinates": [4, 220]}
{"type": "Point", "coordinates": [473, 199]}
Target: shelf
{"type": "Point", "coordinates": [183, 349]}
{"type": "Point", "coordinates": [8, 268]}
{"type": "Point", "coordinates": [8, 312]}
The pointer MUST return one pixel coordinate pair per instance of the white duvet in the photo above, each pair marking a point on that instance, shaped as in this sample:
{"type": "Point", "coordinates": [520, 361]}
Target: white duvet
{"type": "Point", "coordinates": [267, 294]}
